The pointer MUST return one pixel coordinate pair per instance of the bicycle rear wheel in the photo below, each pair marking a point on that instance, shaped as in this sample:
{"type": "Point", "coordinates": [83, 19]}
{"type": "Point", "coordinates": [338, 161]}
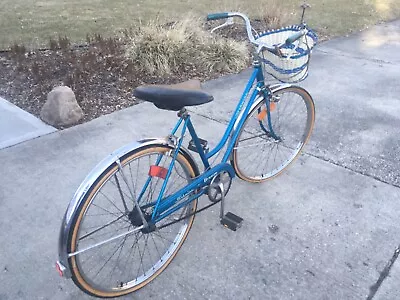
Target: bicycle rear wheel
{"type": "Point", "coordinates": [258, 156]}
{"type": "Point", "coordinates": [126, 263]}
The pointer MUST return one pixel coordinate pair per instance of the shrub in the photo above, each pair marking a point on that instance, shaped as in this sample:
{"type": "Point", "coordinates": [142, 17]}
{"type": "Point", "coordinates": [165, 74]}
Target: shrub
{"type": "Point", "coordinates": [181, 46]}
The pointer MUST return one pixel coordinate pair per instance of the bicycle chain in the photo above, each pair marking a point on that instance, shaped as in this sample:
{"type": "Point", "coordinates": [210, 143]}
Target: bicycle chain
{"type": "Point", "coordinates": [189, 215]}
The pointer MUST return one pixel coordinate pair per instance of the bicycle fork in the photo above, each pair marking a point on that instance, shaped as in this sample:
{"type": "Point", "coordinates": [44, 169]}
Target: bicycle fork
{"type": "Point", "coordinates": [270, 133]}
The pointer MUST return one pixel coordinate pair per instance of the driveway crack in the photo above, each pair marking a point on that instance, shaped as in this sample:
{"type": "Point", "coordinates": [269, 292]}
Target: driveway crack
{"type": "Point", "coordinates": [350, 169]}
{"type": "Point", "coordinates": [385, 273]}
{"type": "Point", "coordinates": [342, 54]}
{"type": "Point", "coordinates": [314, 155]}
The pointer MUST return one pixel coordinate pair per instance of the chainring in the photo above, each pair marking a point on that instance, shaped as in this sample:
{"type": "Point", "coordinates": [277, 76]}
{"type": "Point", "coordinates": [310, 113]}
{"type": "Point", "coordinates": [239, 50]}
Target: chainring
{"type": "Point", "coordinates": [222, 180]}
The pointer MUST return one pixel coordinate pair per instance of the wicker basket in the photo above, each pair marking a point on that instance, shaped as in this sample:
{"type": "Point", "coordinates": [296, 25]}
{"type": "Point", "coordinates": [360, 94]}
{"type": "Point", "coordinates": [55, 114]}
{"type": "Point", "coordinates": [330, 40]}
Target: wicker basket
{"type": "Point", "coordinates": [293, 65]}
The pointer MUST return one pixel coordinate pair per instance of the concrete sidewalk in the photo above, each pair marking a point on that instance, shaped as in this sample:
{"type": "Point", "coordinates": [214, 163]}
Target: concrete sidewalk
{"type": "Point", "coordinates": [336, 209]}
{"type": "Point", "coordinates": [17, 125]}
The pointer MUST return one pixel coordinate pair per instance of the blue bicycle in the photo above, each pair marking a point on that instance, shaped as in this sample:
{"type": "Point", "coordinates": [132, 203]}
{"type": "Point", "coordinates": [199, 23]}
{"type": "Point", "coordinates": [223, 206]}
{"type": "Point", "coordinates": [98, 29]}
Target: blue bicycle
{"type": "Point", "coordinates": [132, 213]}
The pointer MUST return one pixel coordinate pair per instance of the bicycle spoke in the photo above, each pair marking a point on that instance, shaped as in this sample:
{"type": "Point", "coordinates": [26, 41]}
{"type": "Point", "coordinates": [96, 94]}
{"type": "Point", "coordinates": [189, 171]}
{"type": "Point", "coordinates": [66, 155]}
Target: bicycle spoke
{"type": "Point", "coordinates": [141, 260]}
{"type": "Point", "coordinates": [98, 272]}
{"type": "Point", "coordinates": [163, 238]}
{"type": "Point", "coordinates": [155, 244]}
{"type": "Point", "coordinates": [135, 246]}
{"type": "Point", "coordinates": [102, 208]}
{"type": "Point", "coordinates": [118, 186]}
{"type": "Point", "coordinates": [119, 254]}
{"type": "Point", "coordinates": [105, 233]}
{"type": "Point", "coordinates": [111, 202]}
{"type": "Point", "coordinates": [102, 227]}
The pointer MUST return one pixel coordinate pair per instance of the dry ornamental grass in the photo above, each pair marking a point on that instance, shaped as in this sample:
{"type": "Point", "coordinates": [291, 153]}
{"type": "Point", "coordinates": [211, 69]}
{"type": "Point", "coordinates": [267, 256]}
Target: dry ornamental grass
{"type": "Point", "coordinates": [184, 47]}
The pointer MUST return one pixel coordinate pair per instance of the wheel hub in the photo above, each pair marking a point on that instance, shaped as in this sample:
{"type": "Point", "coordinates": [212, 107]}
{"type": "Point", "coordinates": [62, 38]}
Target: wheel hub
{"type": "Point", "coordinates": [136, 220]}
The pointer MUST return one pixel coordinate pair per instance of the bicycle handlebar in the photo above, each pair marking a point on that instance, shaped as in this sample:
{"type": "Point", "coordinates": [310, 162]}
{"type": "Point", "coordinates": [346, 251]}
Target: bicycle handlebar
{"type": "Point", "coordinates": [217, 16]}
{"type": "Point", "coordinates": [260, 45]}
{"type": "Point", "coordinates": [225, 15]}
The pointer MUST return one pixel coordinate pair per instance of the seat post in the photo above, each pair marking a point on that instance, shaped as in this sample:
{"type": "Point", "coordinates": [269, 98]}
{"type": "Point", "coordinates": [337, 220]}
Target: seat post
{"type": "Point", "coordinates": [196, 144]}
{"type": "Point", "coordinates": [183, 113]}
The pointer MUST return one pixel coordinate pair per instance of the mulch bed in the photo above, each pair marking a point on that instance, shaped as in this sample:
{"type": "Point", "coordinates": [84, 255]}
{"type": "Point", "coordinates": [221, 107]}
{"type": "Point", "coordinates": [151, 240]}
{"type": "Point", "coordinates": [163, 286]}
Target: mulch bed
{"type": "Point", "coordinates": [99, 74]}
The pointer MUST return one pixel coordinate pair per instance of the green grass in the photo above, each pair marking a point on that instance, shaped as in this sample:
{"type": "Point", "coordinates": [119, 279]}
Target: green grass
{"type": "Point", "coordinates": [33, 22]}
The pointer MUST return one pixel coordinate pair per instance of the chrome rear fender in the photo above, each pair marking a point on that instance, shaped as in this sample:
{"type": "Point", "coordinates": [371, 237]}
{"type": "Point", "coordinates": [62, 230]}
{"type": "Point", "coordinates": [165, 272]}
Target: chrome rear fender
{"type": "Point", "coordinates": [88, 182]}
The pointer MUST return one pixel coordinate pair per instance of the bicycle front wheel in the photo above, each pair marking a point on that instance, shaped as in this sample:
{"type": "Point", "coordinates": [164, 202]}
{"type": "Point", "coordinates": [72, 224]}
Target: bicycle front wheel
{"type": "Point", "coordinates": [258, 155]}
{"type": "Point", "coordinates": [112, 259]}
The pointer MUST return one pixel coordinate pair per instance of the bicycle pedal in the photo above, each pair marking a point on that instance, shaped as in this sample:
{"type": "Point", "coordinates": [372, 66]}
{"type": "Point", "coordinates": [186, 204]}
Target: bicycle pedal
{"type": "Point", "coordinates": [203, 143]}
{"type": "Point", "coordinates": [231, 221]}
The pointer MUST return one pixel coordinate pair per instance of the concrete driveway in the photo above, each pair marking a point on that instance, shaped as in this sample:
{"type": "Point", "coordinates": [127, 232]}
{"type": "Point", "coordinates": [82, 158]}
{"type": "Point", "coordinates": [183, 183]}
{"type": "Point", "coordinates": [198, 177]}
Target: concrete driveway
{"type": "Point", "coordinates": [326, 229]}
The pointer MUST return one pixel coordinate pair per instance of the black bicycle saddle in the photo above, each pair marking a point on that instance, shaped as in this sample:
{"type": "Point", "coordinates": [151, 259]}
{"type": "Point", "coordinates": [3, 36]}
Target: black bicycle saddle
{"type": "Point", "coordinates": [173, 96]}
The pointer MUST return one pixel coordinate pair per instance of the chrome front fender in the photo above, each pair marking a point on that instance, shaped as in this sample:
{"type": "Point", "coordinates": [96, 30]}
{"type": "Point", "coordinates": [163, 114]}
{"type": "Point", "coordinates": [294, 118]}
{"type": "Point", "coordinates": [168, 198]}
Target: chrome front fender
{"type": "Point", "coordinates": [62, 264]}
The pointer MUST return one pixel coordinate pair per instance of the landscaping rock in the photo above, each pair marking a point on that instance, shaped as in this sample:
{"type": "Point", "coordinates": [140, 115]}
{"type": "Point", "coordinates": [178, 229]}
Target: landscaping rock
{"type": "Point", "coordinates": [61, 107]}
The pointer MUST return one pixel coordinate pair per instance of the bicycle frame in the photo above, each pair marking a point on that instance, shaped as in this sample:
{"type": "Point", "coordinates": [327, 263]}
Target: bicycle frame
{"type": "Point", "coordinates": [166, 206]}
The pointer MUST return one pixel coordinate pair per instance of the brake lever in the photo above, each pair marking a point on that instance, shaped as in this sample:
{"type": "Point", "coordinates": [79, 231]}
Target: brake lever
{"type": "Point", "coordinates": [229, 21]}
{"type": "Point", "coordinates": [276, 50]}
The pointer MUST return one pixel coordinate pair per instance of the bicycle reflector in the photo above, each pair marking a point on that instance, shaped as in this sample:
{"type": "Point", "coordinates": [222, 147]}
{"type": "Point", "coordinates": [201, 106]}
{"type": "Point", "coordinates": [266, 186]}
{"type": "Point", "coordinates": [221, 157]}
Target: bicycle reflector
{"type": "Point", "coordinates": [261, 115]}
{"type": "Point", "coordinates": [157, 171]}
{"type": "Point", "coordinates": [60, 268]}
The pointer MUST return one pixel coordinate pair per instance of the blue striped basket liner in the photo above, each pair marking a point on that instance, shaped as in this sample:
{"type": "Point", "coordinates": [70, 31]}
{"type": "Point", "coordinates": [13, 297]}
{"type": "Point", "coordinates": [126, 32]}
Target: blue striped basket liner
{"type": "Point", "coordinates": [293, 65]}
